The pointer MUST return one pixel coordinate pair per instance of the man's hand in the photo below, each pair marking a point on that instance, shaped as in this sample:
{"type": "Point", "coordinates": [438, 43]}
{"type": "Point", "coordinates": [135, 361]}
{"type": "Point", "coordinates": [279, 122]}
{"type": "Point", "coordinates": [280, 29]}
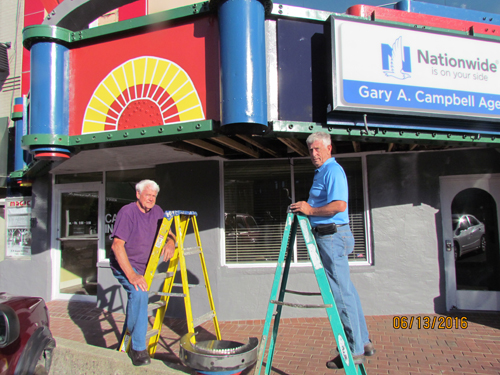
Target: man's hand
{"type": "Point", "coordinates": [169, 249]}
{"type": "Point", "coordinates": [138, 281]}
{"type": "Point", "coordinates": [301, 206]}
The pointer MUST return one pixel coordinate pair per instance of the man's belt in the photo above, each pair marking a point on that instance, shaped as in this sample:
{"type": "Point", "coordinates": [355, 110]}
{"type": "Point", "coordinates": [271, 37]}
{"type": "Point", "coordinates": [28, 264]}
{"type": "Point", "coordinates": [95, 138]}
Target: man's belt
{"type": "Point", "coordinates": [324, 229]}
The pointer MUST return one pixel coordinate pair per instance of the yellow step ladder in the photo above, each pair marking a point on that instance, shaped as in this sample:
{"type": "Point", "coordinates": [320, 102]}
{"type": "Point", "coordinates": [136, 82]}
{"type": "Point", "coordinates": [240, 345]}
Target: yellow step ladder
{"type": "Point", "coordinates": [181, 220]}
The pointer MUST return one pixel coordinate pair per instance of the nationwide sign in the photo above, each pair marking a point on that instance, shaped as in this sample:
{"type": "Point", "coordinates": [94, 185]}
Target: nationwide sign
{"type": "Point", "coordinates": [395, 70]}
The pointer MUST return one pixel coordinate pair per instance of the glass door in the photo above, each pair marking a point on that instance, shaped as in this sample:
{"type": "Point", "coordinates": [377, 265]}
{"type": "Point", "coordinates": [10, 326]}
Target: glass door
{"type": "Point", "coordinates": [77, 239]}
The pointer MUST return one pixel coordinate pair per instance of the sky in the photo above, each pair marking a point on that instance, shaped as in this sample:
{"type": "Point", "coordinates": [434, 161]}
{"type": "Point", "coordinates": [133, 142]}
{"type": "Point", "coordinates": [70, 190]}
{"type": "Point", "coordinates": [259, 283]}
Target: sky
{"type": "Point", "coordinates": [340, 6]}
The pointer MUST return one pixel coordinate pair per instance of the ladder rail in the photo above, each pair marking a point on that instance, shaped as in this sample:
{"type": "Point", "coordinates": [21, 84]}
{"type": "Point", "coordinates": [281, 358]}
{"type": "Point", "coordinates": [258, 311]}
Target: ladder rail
{"type": "Point", "coordinates": [350, 367]}
{"type": "Point", "coordinates": [182, 224]}
{"type": "Point", "coordinates": [207, 282]}
{"type": "Point", "coordinates": [279, 307]}
{"type": "Point", "coordinates": [153, 261]}
{"type": "Point", "coordinates": [154, 257]}
{"type": "Point", "coordinates": [289, 227]}
{"type": "Point", "coordinates": [160, 313]}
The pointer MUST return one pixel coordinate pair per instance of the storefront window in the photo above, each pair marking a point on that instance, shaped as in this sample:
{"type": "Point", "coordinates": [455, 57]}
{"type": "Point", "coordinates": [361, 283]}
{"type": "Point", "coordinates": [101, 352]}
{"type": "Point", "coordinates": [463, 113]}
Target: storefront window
{"type": "Point", "coordinates": [256, 197]}
{"type": "Point", "coordinates": [78, 178]}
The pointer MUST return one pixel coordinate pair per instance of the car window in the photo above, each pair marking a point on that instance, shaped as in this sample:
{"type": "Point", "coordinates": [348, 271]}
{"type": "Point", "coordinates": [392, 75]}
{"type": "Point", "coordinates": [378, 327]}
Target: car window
{"type": "Point", "coordinates": [230, 222]}
{"type": "Point", "coordinates": [251, 222]}
{"type": "Point", "coordinates": [464, 224]}
{"type": "Point", "coordinates": [240, 222]}
{"type": "Point", "coordinates": [473, 220]}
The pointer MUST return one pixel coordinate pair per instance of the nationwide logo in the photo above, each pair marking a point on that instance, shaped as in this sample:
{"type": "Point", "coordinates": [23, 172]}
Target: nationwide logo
{"type": "Point", "coordinates": [396, 60]}
{"type": "Point", "coordinates": [442, 59]}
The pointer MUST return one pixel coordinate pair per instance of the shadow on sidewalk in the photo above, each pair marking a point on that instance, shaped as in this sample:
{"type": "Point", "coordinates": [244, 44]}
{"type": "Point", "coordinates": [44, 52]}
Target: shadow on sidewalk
{"type": "Point", "coordinates": [96, 324]}
{"type": "Point", "coordinates": [486, 318]}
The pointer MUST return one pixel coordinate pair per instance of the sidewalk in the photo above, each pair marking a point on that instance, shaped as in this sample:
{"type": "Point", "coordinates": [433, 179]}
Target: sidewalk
{"type": "Point", "coordinates": [453, 346]}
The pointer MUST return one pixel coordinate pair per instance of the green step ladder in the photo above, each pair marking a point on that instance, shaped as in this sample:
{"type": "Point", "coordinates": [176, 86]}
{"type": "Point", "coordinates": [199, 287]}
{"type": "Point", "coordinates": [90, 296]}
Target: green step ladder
{"type": "Point", "coordinates": [276, 301]}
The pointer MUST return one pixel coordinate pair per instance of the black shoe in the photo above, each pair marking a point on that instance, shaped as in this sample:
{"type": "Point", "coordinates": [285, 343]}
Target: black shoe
{"type": "Point", "coordinates": [139, 358]}
{"type": "Point", "coordinates": [369, 350]}
{"type": "Point", "coordinates": [336, 363]}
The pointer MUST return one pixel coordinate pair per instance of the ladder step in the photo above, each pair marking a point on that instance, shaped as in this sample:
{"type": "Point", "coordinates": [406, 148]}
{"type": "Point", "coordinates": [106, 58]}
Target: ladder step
{"type": "Point", "coordinates": [204, 318]}
{"type": "Point", "coordinates": [180, 285]}
{"type": "Point", "coordinates": [170, 294]}
{"type": "Point", "coordinates": [192, 250]}
{"type": "Point", "coordinates": [303, 293]}
{"type": "Point", "coordinates": [156, 305]}
{"type": "Point", "coordinates": [151, 333]}
{"type": "Point", "coordinates": [163, 275]}
{"type": "Point", "coordinates": [300, 305]}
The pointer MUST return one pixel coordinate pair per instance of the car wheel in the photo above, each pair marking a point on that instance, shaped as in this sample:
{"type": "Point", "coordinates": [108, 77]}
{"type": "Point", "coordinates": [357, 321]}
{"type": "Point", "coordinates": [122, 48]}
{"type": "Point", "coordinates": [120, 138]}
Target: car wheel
{"type": "Point", "coordinates": [40, 370]}
{"type": "Point", "coordinates": [43, 365]}
{"type": "Point", "coordinates": [37, 355]}
{"type": "Point", "coordinates": [483, 244]}
{"type": "Point", "coordinates": [456, 250]}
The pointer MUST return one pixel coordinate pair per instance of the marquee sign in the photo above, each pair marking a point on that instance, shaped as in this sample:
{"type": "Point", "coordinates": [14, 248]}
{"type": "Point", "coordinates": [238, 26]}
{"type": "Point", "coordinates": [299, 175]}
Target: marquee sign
{"type": "Point", "coordinates": [160, 77]}
{"type": "Point", "coordinates": [387, 69]}
{"type": "Point", "coordinates": [145, 90]}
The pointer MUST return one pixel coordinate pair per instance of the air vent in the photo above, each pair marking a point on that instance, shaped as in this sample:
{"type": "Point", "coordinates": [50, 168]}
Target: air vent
{"type": "Point", "coordinates": [4, 58]}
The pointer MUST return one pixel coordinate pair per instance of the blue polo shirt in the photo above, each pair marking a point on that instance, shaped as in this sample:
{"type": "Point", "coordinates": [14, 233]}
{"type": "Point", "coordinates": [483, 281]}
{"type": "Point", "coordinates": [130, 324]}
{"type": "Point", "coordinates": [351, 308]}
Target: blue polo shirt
{"type": "Point", "coordinates": [330, 184]}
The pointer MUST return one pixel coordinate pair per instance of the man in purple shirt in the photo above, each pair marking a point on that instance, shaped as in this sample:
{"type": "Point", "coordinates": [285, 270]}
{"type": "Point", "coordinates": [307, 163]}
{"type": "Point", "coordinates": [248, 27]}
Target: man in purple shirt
{"type": "Point", "coordinates": [328, 214]}
{"type": "Point", "coordinates": [134, 235]}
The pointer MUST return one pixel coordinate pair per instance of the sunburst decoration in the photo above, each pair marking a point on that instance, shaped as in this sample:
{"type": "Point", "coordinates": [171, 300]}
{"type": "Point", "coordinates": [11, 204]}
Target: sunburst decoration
{"type": "Point", "coordinates": [145, 91]}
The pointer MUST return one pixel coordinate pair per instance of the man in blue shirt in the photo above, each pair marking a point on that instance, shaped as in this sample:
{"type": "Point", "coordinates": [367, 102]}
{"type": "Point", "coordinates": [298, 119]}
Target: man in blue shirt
{"type": "Point", "coordinates": [328, 213]}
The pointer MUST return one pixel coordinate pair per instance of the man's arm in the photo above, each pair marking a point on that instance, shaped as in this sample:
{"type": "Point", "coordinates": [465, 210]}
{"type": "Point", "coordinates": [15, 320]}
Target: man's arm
{"type": "Point", "coordinates": [134, 278]}
{"type": "Point", "coordinates": [330, 209]}
{"type": "Point", "coordinates": [169, 248]}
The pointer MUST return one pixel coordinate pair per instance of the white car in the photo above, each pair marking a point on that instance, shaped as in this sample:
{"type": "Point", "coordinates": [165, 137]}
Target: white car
{"type": "Point", "coordinates": [468, 234]}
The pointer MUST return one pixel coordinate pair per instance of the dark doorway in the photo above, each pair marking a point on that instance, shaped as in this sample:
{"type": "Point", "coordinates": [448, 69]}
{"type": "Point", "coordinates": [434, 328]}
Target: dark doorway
{"type": "Point", "coordinates": [475, 237]}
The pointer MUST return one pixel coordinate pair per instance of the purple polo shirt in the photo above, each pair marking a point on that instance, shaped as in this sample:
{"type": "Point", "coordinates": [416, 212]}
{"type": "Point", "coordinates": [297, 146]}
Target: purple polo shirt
{"type": "Point", "coordinates": [138, 230]}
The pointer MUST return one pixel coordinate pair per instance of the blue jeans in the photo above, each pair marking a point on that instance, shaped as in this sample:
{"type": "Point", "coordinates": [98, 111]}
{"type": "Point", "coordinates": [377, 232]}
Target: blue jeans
{"type": "Point", "coordinates": [136, 319]}
{"type": "Point", "coordinates": [334, 249]}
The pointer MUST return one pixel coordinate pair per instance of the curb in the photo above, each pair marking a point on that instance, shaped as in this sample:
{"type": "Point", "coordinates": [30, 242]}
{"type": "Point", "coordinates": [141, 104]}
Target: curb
{"type": "Point", "coordinates": [71, 357]}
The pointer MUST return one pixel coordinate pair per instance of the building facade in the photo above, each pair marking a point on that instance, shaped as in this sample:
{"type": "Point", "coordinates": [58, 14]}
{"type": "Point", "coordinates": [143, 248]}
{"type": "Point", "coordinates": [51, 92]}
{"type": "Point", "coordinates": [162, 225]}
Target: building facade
{"type": "Point", "coordinates": [214, 101]}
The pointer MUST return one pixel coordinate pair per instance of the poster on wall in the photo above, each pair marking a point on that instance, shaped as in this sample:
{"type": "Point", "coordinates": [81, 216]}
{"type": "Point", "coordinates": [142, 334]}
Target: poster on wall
{"type": "Point", "coordinates": [18, 218]}
{"type": "Point", "coordinates": [389, 69]}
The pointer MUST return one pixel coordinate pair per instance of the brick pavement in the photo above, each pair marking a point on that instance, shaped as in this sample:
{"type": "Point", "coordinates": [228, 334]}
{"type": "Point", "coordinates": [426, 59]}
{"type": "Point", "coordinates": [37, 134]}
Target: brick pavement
{"type": "Point", "coordinates": [470, 346]}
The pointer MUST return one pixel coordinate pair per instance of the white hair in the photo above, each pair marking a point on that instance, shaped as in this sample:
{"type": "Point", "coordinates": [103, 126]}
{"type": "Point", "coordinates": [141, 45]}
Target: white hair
{"type": "Point", "coordinates": [147, 183]}
{"type": "Point", "coordinates": [319, 136]}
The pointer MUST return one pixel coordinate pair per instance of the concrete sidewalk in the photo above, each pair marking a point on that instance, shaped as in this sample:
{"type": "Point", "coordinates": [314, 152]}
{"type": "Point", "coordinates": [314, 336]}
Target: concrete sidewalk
{"type": "Point", "coordinates": [457, 343]}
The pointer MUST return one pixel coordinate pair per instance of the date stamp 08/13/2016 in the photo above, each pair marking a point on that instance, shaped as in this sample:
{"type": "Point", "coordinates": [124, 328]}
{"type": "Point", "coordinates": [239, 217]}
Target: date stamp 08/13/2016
{"type": "Point", "coordinates": [429, 322]}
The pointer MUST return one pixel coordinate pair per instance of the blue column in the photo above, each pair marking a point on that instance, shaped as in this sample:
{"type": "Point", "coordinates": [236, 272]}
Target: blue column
{"type": "Point", "coordinates": [18, 118]}
{"type": "Point", "coordinates": [49, 97]}
{"type": "Point", "coordinates": [243, 65]}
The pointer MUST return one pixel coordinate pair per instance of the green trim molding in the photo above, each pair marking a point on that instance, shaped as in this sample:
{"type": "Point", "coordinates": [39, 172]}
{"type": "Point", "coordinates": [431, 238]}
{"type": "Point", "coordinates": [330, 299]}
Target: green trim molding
{"type": "Point", "coordinates": [294, 129]}
{"type": "Point", "coordinates": [153, 134]}
{"type": "Point", "coordinates": [36, 33]}
{"type": "Point", "coordinates": [16, 116]}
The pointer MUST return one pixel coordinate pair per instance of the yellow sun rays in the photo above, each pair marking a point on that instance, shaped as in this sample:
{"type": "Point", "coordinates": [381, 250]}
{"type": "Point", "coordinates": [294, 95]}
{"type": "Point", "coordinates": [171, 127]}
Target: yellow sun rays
{"type": "Point", "coordinates": [145, 78]}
